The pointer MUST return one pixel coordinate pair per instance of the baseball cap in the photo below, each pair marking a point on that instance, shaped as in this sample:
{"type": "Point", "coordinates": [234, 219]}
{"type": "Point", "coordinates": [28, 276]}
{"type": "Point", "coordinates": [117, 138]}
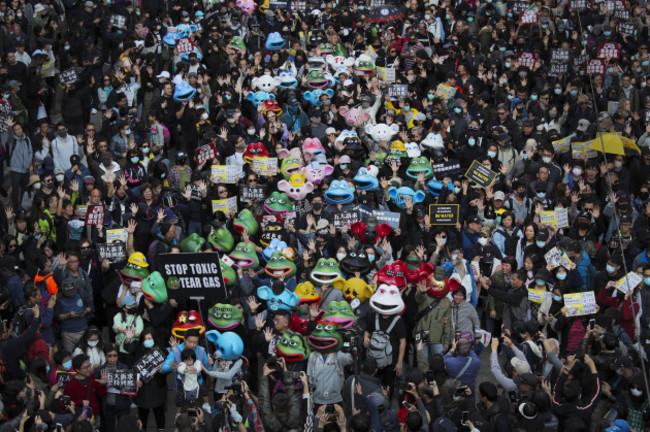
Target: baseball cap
{"type": "Point", "coordinates": [59, 170]}
{"type": "Point", "coordinates": [474, 219]}
{"type": "Point", "coordinates": [622, 362]}
{"type": "Point", "coordinates": [619, 425]}
{"type": "Point", "coordinates": [330, 130]}
{"type": "Point", "coordinates": [499, 195]}
{"type": "Point", "coordinates": [519, 365]}
{"type": "Point", "coordinates": [583, 125]}
{"type": "Point", "coordinates": [89, 179]}
{"type": "Point", "coordinates": [348, 83]}
{"type": "Point", "coordinates": [164, 74]}
{"type": "Point", "coordinates": [527, 379]}
{"type": "Point", "coordinates": [542, 234]}
{"type": "Point", "coordinates": [345, 159]}
{"type": "Point", "coordinates": [128, 301]}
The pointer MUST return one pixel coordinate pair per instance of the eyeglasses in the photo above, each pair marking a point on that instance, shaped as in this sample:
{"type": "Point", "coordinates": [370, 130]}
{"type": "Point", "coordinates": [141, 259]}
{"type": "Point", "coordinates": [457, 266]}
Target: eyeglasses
{"type": "Point", "coordinates": [222, 191]}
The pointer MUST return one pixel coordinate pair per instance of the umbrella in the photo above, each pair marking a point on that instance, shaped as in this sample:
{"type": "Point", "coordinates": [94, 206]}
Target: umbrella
{"type": "Point", "coordinates": [385, 13]}
{"type": "Point", "coordinates": [613, 143]}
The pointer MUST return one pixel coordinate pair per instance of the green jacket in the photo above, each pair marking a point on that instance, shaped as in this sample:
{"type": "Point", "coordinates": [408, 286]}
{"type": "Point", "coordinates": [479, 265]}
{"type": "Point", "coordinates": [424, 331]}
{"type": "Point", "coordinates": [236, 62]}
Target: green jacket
{"type": "Point", "coordinates": [437, 321]}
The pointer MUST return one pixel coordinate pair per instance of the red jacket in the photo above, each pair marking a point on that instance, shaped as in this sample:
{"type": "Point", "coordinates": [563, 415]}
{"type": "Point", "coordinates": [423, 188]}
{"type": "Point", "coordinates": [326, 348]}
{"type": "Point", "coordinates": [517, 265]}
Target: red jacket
{"type": "Point", "coordinates": [79, 392]}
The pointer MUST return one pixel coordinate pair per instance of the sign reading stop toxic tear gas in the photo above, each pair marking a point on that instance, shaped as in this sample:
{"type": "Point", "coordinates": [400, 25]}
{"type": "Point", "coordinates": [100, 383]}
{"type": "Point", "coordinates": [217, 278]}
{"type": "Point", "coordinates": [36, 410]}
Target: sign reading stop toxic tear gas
{"type": "Point", "coordinates": [193, 275]}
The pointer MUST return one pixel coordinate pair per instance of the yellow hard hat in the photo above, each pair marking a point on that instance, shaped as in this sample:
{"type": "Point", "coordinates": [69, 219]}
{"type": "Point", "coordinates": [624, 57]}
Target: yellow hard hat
{"type": "Point", "coordinates": [138, 259]}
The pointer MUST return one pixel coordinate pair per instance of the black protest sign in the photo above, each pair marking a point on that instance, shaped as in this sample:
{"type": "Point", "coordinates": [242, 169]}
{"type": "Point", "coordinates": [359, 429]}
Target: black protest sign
{"type": "Point", "coordinates": [626, 28]}
{"type": "Point", "coordinates": [398, 91]}
{"type": "Point", "coordinates": [114, 252]}
{"type": "Point", "coordinates": [122, 381]}
{"type": "Point", "coordinates": [345, 217]}
{"type": "Point", "coordinates": [519, 6]}
{"type": "Point", "coordinates": [578, 5]}
{"type": "Point", "coordinates": [560, 55]}
{"type": "Point", "coordinates": [255, 193]}
{"type": "Point", "coordinates": [117, 21]}
{"type": "Point", "coordinates": [445, 169]}
{"type": "Point", "coordinates": [148, 365]}
{"type": "Point", "coordinates": [193, 275]}
{"type": "Point", "coordinates": [481, 175]}
{"type": "Point", "coordinates": [299, 5]}
{"type": "Point", "coordinates": [195, 190]}
{"type": "Point", "coordinates": [579, 61]}
{"type": "Point", "coordinates": [443, 214]}
{"type": "Point", "coordinates": [556, 69]}
{"type": "Point", "coordinates": [383, 216]}
{"type": "Point", "coordinates": [68, 76]}
{"type": "Point", "coordinates": [63, 377]}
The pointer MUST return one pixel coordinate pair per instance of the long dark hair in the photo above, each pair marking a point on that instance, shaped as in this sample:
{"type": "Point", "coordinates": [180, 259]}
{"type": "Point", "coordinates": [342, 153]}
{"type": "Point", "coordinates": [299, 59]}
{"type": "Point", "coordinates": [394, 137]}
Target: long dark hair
{"type": "Point", "coordinates": [91, 331]}
{"type": "Point", "coordinates": [148, 331]}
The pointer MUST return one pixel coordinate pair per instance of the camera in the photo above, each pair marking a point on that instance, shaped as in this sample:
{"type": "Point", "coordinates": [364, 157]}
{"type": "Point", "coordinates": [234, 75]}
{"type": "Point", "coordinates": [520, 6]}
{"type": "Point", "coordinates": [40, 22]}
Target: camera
{"type": "Point", "coordinates": [191, 412]}
{"type": "Point", "coordinates": [330, 409]}
{"type": "Point", "coordinates": [293, 375]}
{"type": "Point", "coordinates": [221, 405]}
{"type": "Point", "coordinates": [460, 391]}
{"type": "Point", "coordinates": [65, 399]}
{"type": "Point", "coordinates": [592, 324]}
{"type": "Point", "coordinates": [59, 427]}
{"type": "Point", "coordinates": [422, 336]}
{"type": "Point", "coordinates": [430, 376]}
{"type": "Point", "coordinates": [235, 387]}
{"type": "Point", "coordinates": [273, 362]}
{"type": "Point", "coordinates": [457, 336]}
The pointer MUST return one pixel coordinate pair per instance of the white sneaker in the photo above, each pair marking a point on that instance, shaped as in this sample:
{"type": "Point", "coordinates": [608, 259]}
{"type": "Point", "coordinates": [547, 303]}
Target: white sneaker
{"type": "Point", "coordinates": [176, 416]}
{"type": "Point", "coordinates": [206, 408]}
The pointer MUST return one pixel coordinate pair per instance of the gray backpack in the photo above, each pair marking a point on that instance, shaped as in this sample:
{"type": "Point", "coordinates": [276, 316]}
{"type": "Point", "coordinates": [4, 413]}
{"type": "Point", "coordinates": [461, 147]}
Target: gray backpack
{"type": "Point", "coordinates": [379, 347]}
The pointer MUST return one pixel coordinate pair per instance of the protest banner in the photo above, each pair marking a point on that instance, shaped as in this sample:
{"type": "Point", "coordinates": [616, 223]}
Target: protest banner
{"type": "Point", "coordinates": [579, 304]}
{"type": "Point", "coordinates": [480, 175]}
{"type": "Point", "coordinates": [398, 91]}
{"type": "Point", "coordinates": [184, 46]}
{"type": "Point", "coordinates": [68, 76]}
{"type": "Point", "coordinates": [626, 28]}
{"type": "Point", "coordinates": [114, 252]}
{"type": "Point", "coordinates": [63, 377]}
{"type": "Point", "coordinates": [118, 234]}
{"type": "Point", "coordinates": [445, 169]}
{"type": "Point", "coordinates": [205, 153]}
{"type": "Point", "coordinates": [556, 218]}
{"type": "Point", "coordinates": [81, 212]}
{"type": "Point", "coordinates": [519, 6]}
{"type": "Point", "coordinates": [226, 174]}
{"type": "Point", "coordinates": [195, 191]}
{"type": "Point", "coordinates": [529, 16]}
{"type": "Point", "coordinates": [560, 55]}
{"type": "Point", "coordinates": [278, 4]}
{"type": "Point", "coordinates": [538, 296]}
{"type": "Point", "coordinates": [391, 218]}
{"type": "Point", "coordinates": [595, 66]}
{"type": "Point", "coordinates": [122, 381]}
{"type": "Point", "coordinates": [193, 275]}
{"type": "Point", "coordinates": [255, 193]}
{"type": "Point", "coordinates": [527, 59]}
{"type": "Point", "coordinates": [609, 50]}
{"type": "Point", "coordinates": [553, 257]}
{"type": "Point", "coordinates": [622, 14]}
{"type": "Point", "coordinates": [147, 367]}
{"type": "Point", "coordinates": [345, 217]}
{"type": "Point", "coordinates": [443, 214]}
{"type": "Point", "coordinates": [445, 92]}
{"type": "Point", "coordinates": [628, 282]}
{"type": "Point", "coordinates": [265, 166]}
{"type": "Point", "coordinates": [578, 5]}
{"type": "Point", "coordinates": [562, 145]}
{"type": "Point", "coordinates": [562, 217]}
{"type": "Point", "coordinates": [95, 215]}
{"type": "Point", "coordinates": [558, 69]}
{"type": "Point", "coordinates": [579, 61]}
{"type": "Point", "coordinates": [227, 205]}
{"type": "Point", "coordinates": [581, 150]}
{"type": "Point", "coordinates": [298, 5]}
{"type": "Point", "coordinates": [117, 21]}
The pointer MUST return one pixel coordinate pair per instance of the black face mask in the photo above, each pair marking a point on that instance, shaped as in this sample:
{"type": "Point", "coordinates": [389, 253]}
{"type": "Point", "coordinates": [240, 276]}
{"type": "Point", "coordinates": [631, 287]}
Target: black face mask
{"type": "Point", "coordinates": [317, 206]}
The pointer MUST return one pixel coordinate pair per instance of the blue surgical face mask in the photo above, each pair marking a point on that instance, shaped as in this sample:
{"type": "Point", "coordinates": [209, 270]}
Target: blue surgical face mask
{"type": "Point", "coordinates": [645, 63]}
{"type": "Point", "coordinates": [343, 166]}
{"type": "Point", "coordinates": [557, 298]}
{"type": "Point", "coordinates": [524, 156]}
{"type": "Point", "coordinates": [607, 33]}
{"type": "Point", "coordinates": [431, 96]}
{"type": "Point", "coordinates": [471, 142]}
{"type": "Point", "coordinates": [148, 343]}
{"type": "Point", "coordinates": [371, 258]}
{"type": "Point", "coordinates": [407, 107]}
{"type": "Point", "coordinates": [511, 97]}
{"type": "Point", "coordinates": [227, 96]}
{"type": "Point", "coordinates": [47, 368]}
{"type": "Point", "coordinates": [127, 132]}
{"type": "Point", "coordinates": [574, 92]}
{"type": "Point", "coordinates": [492, 154]}
{"type": "Point", "coordinates": [558, 91]}
{"type": "Point", "coordinates": [507, 65]}
{"type": "Point", "coordinates": [454, 256]}
{"type": "Point", "coordinates": [610, 269]}
{"type": "Point", "coordinates": [134, 159]}
{"type": "Point", "coordinates": [458, 110]}
{"type": "Point", "coordinates": [533, 97]}
{"type": "Point", "coordinates": [540, 244]}
{"type": "Point", "coordinates": [67, 365]}
{"type": "Point", "coordinates": [646, 281]}
{"type": "Point", "coordinates": [502, 49]}
{"type": "Point", "coordinates": [560, 276]}
{"type": "Point", "coordinates": [541, 194]}
{"type": "Point", "coordinates": [610, 70]}
{"type": "Point", "coordinates": [539, 282]}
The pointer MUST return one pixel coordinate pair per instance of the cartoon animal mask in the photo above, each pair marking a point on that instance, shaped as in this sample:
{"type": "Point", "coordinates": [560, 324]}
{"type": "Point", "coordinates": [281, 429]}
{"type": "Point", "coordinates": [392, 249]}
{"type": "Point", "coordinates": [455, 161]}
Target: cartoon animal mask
{"type": "Point", "coordinates": [296, 188]}
{"type": "Point", "coordinates": [325, 337]}
{"type": "Point", "coordinates": [246, 222]}
{"type": "Point", "coordinates": [366, 178]}
{"type": "Point", "coordinates": [315, 172]}
{"type": "Point", "coordinates": [325, 271]}
{"type": "Point", "coordinates": [279, 266]}
{"type": "Point", "coordinates": [381, 131]}
{"type": "Point", "coordinates": [420, 165]}
{"type": "Point", "coordinates": [393, 274]}
{"type": "Point", "coordinates": [354, 288]}
{"type": "Point", "coordinates": [316, 79]}
{"type": "Point", "coordinates": [287, 79]}
{"type": "Point", "coordinates": [183, 92]}
{"type": "Point", "coordinates": [313, 96]}
{"type": "Point", "coordinates": [221, 239]}
{"type": "Point", "coordinates": [312, 147]}
{"type": "Point", "coordinates": [285, 300]}
{"type": "Point", "coordinates": [237, 44]}
{"type": "Point", "coordinates": [307, 293]}
{"type": "Point", "coordinates": [277, 202]}
{"type": "Point", "coordinates": [260, 97]}
{"type": "Point", "coordinates": [224, 316]}
{"type": "Point", "coordinates": [275, 245]}
{"type": "Point", "coordinates": [340, 192]}
{"type": "Point", "coordinates": [356, 262]}
{"type": "Point", "coordinates": [290, 166]}
{"type": "Point", "coordinates": [354, 117]}
{"type": "Point", "coordinates": [300, 319]}
{"type": "Point", "coordinates": [403, 194]}
{"type": "Point", "coordinates": [272, 105]}
{"type": "Point", "coordinates": [364, 66]}
{"type": "Point", "coordinates": [186, 321]}
{"type": "Point", "coordinates": [254, 150]}
{"type": "Point", "coordinates": [135, 269]}
{"type": "Point", "coordinates": [265, 83]}
{"type": "Point", "coordinates": [340, 313]}
{"type": "Point", "coordinates": [244, 256]}
{"type": "Point", "coordinates": [229, 345]}
{"type": "Point", "coordinates": [154, 289]}
{"type": "Point", "coordinates": [412, 150]}
{"type": "Point", "coordinates": [192, 243]}
{"type": "Point", "coordinates": [247, 6]}
{"type": "Point", "coordinates": [275, 42]}
{"type": "Point", "coordinates": [433, 140]}
{"type": "Point", "coordinates": [387, 300]}
{"type": "Point", "coordinates": [369, 234]}
{"type": "Point", "coordinates": [416, 270]}
{"type": "Point", "coordinates": [293, 347]}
